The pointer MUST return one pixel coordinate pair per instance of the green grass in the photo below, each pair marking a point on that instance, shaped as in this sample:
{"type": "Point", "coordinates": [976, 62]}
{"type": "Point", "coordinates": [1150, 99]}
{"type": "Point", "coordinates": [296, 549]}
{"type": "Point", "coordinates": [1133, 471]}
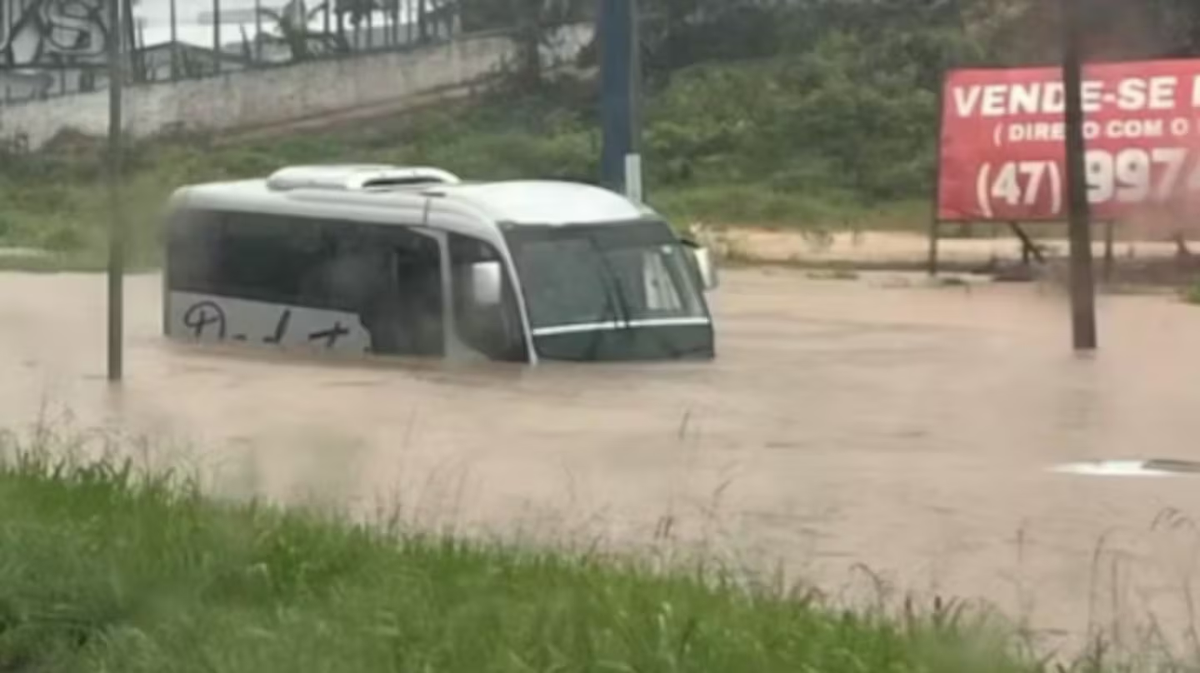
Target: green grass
{"type": "Point", "coordinates": [105, 568]}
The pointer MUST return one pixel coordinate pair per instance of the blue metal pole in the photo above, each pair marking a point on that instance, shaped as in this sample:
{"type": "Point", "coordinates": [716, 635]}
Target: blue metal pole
{"type": "Point", "coordinates": [617, 89]}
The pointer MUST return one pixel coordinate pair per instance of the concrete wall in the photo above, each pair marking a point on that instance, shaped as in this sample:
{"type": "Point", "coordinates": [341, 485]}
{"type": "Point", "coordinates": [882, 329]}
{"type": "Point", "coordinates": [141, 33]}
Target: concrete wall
{"type": "Point", "coordinates": [260, 98]}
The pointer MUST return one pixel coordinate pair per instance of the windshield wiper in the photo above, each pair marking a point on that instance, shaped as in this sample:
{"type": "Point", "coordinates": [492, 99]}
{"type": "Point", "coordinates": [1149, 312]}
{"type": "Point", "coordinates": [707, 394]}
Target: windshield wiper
{"type": "Point", "coordinates": [611, 309]}
{"type": "Point", "coordinates": [675, 351]}
{"type": "Point", "coordinates": [615, 285]}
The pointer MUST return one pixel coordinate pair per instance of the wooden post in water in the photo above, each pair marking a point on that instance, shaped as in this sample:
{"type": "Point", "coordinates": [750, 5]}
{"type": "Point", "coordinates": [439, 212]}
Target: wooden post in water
{"type": "Point", "coordinates": [1083, 287]}
{"type": "Point", "coordinates": [116, 236]}
{"type": "Point", "coordinates": [934, 233]}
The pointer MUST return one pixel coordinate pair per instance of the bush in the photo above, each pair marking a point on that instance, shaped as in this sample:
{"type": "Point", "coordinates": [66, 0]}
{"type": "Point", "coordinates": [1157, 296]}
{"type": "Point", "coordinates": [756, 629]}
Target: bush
{"type": "Point", "coordinates": [515, 156]}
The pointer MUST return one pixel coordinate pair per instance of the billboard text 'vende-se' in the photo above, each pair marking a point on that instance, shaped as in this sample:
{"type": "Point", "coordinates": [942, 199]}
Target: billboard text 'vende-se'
{"type": "Point", "coordinates": [1002, 141]}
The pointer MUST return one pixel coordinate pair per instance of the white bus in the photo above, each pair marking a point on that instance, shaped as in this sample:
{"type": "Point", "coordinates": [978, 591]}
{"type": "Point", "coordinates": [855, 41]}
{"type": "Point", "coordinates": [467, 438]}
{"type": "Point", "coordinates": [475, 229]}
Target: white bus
{"type": "Point", "coordinates": [412, 261]}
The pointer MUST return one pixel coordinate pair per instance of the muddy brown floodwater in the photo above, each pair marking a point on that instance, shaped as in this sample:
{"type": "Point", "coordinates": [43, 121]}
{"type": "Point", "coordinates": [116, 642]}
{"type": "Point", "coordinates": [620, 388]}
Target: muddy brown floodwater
{"type": "Point", "coordinates": [846, 425]}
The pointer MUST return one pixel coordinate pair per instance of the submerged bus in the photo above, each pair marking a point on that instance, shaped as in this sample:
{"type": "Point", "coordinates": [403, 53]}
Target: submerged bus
{"type": "Point", "coordinates": [412, 261]}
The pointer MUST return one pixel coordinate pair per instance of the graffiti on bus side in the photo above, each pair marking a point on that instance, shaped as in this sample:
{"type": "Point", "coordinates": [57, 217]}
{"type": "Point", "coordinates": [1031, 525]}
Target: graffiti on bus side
{"type": "Point", "coordinates": [214, 319]}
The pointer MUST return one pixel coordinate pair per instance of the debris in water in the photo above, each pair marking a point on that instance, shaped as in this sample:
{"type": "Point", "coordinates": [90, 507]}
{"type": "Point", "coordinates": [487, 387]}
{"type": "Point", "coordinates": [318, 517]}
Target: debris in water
{"type": "Point", "coordinates": [834, 274]}
{"type": "Point", "coordinates": [1130, 468]}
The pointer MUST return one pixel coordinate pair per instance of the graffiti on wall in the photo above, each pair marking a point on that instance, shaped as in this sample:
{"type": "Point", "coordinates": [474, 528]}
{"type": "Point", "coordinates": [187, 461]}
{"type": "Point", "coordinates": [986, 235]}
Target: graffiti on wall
{"type": "Point", "coordinates": [39, 34]}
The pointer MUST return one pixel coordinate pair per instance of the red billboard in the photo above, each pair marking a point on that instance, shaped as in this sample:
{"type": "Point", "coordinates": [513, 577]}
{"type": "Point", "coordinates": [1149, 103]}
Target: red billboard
{"type": "Point", "coordinates": [1001, 149]}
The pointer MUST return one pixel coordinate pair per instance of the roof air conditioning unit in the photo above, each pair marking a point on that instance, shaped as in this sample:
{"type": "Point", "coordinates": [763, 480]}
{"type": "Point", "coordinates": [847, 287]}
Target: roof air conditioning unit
{"type": "Point", "coordinates": [357, 177]}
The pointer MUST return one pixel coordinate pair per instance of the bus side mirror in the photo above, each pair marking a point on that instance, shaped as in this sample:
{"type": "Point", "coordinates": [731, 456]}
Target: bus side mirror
{"type": "Point", "coordinates": [487, 283]}
{"type": "Point", "coordinates": [707, 266]}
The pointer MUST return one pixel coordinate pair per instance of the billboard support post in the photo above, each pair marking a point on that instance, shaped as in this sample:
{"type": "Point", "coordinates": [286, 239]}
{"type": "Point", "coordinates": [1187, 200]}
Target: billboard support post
{"type": "Point", "coordinates": [935, 223]}
{"type": "Point", "coordinates": [1029, 249]}
{"type": "Point", "coordinates": [1083, 286]}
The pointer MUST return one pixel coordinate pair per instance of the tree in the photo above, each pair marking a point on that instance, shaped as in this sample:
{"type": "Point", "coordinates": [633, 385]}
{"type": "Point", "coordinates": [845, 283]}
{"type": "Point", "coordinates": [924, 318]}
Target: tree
{"type": "Point", "coordinates": [679, 33]}
{"type": "Point", "coordinates": [1027, 31]}
{"type": "Point", "coordinates": [532, 24]}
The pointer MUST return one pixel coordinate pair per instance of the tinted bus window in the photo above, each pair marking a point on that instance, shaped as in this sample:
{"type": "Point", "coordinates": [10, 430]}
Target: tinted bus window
{"type": "Point", "coordinates": [255, 256]}
{"type": "Point", "coordinates": [270, 258]}
{"type": "Point", "coordinates": [247, 255]}
{"type": "Point", "coordinates": [192, 240]}
{"type": "Point", "coordinates": [388, 275]}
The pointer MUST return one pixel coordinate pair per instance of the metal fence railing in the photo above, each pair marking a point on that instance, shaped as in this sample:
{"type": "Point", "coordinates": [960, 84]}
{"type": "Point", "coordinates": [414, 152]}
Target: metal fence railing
{"type": "Point", "coordinates": [44, 55]}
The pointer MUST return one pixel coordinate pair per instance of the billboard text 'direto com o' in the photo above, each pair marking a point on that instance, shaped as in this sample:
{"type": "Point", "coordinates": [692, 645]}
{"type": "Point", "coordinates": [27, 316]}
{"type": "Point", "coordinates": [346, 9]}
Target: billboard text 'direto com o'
{"type": "Point", "coordinates": [1002, 153]}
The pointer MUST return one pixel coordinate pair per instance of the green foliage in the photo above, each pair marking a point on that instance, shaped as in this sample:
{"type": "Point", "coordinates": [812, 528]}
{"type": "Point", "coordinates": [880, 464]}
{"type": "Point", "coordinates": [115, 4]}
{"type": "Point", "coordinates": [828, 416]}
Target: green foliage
{"type": "Point", "coordinates": [106, 568]}
{"type": "Point", "coordinates": [828, 120]}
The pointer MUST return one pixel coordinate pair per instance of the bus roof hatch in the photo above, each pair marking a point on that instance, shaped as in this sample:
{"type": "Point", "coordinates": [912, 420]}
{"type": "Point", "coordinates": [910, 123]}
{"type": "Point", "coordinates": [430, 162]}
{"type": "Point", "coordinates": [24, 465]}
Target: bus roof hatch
{"type": "Point", "coordinates": [356, 177]}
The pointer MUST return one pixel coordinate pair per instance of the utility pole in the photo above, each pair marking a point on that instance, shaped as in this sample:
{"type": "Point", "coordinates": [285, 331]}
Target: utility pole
{"type": "Point", "coordinates": [620, 162]}
{"type": "Point", "coordinates": [1083, 286]}
{"type": "Point", "coordinates": [116, 235]}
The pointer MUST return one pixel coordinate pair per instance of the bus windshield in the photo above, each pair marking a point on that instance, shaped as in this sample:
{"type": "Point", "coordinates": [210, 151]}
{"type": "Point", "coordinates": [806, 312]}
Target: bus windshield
{"type": "Point", "coordinates": [584, 279]}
